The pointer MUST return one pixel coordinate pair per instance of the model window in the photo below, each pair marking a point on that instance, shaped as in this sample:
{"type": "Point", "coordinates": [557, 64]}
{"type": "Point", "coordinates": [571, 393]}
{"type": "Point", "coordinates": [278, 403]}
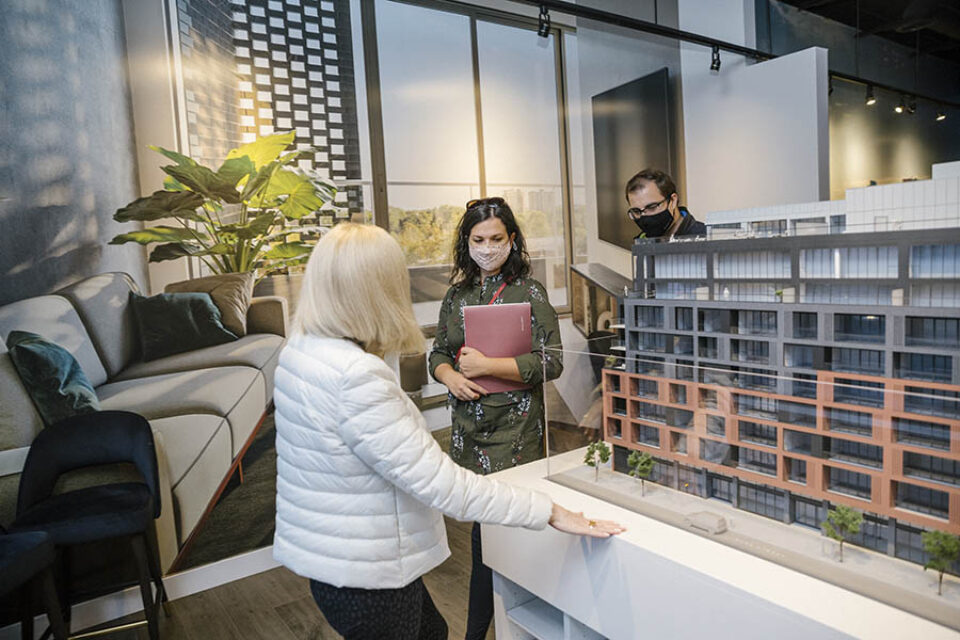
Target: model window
{"type": "Point", "coordinates": [932, 332]}
{"type": "Point", "coordinates": [859, 328]}
{"type": "Point", "coordinates": [925, 434]}
{"type": "Point", "coordinates": [923, 366]}
{"type": "Point", "coordinates": [804, 325]}
{"type": "Point", "coordinates": [922, 499]}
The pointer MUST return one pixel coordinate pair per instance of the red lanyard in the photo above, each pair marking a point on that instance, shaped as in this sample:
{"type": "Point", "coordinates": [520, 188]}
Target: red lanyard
{"type": "Point", "coordinates": [497, 294]}
{"type": "Point", "coordinates": [492, 300]}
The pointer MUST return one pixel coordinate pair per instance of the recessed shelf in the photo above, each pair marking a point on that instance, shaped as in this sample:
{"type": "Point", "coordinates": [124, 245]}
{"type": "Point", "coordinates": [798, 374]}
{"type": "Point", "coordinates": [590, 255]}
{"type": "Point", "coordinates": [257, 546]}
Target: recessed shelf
{"type": "Point", "coordinates": [539, 619]}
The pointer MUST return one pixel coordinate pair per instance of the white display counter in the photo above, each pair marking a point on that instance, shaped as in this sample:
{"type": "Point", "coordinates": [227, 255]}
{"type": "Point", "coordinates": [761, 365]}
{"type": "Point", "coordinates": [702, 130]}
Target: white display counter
{"type": "Point", "coordinates": [658, 581]}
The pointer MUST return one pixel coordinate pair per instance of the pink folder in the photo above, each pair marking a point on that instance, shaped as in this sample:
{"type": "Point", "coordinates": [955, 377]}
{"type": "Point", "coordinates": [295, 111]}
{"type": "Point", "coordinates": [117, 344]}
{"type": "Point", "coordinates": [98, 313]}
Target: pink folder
{"type": "Point", "coordinates": [498, 331]}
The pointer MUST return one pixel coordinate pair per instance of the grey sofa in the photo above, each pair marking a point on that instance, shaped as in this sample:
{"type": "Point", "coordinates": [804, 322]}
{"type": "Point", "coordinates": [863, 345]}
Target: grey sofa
{"type": "Point", "coordinates": [204, 406]}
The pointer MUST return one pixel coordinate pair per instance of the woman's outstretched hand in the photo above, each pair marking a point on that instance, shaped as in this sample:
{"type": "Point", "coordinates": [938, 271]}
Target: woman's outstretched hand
{"type": "Point", "coordinates": [576, 523]}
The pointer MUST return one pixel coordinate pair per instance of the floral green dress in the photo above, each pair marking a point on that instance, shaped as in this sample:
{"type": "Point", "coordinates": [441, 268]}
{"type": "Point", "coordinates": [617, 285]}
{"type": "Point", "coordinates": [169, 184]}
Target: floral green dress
{"type": "Point", "coordinates": [500, 430]}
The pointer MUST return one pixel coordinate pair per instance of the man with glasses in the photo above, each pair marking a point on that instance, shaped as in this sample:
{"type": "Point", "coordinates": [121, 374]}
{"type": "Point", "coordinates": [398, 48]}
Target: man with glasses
{"type": "Point", "coordinates": [654, 207]}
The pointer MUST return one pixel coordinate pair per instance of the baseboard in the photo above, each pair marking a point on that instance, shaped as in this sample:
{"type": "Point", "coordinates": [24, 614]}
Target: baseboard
{"type": "Point", "coordinates": [179, 585]}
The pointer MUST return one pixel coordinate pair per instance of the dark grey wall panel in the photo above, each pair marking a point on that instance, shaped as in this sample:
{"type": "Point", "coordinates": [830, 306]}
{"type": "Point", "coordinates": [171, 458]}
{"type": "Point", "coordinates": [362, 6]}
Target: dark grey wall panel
{"type": "Point", "coordinates": [631, 131]}
{"type": "Point", "coordinates": [66, 145]}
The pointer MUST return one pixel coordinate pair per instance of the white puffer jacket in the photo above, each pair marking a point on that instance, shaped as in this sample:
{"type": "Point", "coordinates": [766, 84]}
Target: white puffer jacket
{"type": "Point", "coordinates": [361, 483]}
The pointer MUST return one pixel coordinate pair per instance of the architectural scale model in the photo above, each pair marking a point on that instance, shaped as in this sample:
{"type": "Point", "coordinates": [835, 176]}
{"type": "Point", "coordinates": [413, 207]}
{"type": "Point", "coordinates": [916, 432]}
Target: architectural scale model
{"type": "Point", "coordinates": [789, 373]}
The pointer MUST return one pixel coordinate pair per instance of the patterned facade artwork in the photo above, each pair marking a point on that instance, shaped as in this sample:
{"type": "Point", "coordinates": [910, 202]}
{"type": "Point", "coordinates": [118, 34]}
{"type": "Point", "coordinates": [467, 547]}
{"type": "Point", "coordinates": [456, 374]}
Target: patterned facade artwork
{"type": "Point", "coordinates": [256, 67]}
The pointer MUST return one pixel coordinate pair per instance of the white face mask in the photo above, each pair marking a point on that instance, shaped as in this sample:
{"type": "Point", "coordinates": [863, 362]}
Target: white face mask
{"type": "Point", "coordinates": [490, 258]}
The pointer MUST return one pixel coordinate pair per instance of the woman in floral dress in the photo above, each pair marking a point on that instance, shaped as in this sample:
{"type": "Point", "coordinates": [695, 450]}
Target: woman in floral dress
{"type": "Point", "coordinates": [493, 431]}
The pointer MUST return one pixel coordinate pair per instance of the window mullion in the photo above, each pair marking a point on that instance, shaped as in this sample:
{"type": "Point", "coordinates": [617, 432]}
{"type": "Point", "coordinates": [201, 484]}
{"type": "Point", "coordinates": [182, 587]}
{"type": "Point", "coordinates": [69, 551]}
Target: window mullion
{"type": "Point", "coordinates": [475, 56]}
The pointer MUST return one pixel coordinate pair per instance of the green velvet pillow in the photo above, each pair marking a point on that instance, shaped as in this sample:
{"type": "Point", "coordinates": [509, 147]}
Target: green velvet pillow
{"type": "Point", "coordinates": [171, 323]}
{"type": "Point", "coordinates": [52, 377]}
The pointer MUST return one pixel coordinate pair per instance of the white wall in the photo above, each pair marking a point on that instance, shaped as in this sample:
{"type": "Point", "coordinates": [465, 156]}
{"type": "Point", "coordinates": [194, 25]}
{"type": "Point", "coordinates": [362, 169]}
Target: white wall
{"type": "Point", "coordinates": [152, 60]}
{"type": "Point", "coordinates": [755, 134]}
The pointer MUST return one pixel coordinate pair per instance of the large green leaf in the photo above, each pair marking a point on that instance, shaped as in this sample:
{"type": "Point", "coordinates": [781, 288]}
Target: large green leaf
{"type": "Point", "coordinates": [179, 158]}
{"type": "Point", "coordinates": [256, 227]}
{"type": "Point", "coordinates": [204, 181]}
{"type": "Point", "coordinates": [302, 231]}
{"type": "Point", "coordinates": [288, 250]}
{"type": "Point", "coordinates": [160, 204]}
{"type": "Point", "coordinates": [257, 182]}
{"type": "Point", "coordinates": [161, 233]}
{"type": "Point", "coordinates": [173, 251]}
{"type": "Point", "coordinates": [295, 194]}
{"type": "Point", "coordinates": [265, 150]}
{"type": "Point", "coordinates": [236, 169]}
{"type": "Point", "coordinates": [172, 184]}
{"type": "Point", "coordinates": [221, 248]}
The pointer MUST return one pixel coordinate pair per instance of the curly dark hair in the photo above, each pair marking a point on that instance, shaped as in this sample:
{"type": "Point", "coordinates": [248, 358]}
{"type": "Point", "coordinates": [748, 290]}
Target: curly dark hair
{"type": "Point", "coordinates": [465, 270]}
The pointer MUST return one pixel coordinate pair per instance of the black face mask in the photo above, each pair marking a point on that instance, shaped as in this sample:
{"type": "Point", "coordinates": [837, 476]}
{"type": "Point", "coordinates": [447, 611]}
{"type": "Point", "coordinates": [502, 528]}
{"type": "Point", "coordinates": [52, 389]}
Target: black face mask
{"type": "Point", "coordinates": [655, 225]}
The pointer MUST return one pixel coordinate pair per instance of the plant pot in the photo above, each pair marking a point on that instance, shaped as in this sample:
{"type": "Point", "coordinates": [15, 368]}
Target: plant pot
{"type": "Point", "coordinates": [286, 286]}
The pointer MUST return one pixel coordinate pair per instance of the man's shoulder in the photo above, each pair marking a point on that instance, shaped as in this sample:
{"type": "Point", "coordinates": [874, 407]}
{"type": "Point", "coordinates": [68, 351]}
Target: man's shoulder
{"type": "Point", "coordinates": [691, 226]}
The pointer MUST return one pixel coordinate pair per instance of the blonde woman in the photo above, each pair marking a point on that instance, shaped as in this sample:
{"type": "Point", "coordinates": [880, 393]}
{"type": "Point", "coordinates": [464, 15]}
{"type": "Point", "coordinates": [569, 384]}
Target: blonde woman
{"type": "Point", "coordinates": [361, 483]}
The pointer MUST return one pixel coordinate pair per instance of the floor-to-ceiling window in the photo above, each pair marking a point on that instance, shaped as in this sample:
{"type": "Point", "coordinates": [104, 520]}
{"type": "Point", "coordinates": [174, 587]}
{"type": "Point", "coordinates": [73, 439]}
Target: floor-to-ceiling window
{"type": "Point", "coordinates": [462, 102]}
{"type": "Point", "coordinates": [471, 107]}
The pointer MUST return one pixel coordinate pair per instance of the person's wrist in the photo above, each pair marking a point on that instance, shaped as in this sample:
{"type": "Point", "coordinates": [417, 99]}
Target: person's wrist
{"type": "Point", "coordinates": [484, 369]}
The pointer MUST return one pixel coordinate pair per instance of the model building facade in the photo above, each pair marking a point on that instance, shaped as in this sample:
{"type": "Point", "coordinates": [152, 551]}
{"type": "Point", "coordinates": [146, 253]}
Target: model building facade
{"type": "Point", "coordinates": [787, 374]}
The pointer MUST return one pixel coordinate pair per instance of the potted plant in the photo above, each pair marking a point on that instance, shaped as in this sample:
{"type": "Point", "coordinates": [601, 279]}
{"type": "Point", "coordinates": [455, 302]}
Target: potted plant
{"type": "Point", "coordinates": [257, 212]}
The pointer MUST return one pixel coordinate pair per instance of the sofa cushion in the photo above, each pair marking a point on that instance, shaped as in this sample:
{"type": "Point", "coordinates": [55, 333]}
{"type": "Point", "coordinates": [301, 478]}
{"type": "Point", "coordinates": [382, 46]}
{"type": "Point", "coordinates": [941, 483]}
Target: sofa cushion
{"type": "Point", "coordinates": [235, 393]}
{"type": "Point", "coordinates": [103, 303]}
{"type": "Point", "coordinates": [171, 323]}
{"type": "Point", "coordinates": [52, 377]}
{"type": "Point", "coordinates": [54, 318]}
{"type": "Point", "coordinates": [231, 292]}
{"type": "Point", "coordinates": [254, 350]}
{"type": "Point", "coordinates": [19, 420]}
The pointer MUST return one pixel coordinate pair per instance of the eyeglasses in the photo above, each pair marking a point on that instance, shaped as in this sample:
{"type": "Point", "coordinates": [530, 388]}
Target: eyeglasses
{"type": "Point", "coordinates": [636, 212]}
{"type": "Point", "coordinates": [493, 202]}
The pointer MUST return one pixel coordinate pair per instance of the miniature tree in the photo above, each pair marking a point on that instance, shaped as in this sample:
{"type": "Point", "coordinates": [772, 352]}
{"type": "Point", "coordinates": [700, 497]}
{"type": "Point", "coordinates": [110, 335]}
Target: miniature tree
{"type": "Point", "coordinates": [842, 523]}
{"type": "Point", "coordinates": [597, 453]}
{"type": "Point", "coordinates": [943, 549]}
{"type": "Point", "coordinates": [641, 466]}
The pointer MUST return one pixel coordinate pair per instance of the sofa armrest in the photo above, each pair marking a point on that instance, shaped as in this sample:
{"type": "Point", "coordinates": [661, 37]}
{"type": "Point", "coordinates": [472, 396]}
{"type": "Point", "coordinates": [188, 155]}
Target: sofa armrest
{"type": "Point", "coordinates": [267, 314]}
{"type": "Point", "coordinates": [166, 527]}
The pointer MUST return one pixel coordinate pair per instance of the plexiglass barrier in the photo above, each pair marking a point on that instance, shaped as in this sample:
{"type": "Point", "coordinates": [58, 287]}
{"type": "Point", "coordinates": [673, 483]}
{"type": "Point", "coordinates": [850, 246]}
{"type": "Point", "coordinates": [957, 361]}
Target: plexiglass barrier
{"type": "Point", "coordinates": [849, 477]}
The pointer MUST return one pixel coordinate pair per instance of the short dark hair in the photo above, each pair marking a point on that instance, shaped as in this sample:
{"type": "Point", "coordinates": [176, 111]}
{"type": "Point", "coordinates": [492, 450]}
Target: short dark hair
{"type": "Point", "coordinates": [663, 181]}
{"type": "Point", "coordinates": [465, 270]}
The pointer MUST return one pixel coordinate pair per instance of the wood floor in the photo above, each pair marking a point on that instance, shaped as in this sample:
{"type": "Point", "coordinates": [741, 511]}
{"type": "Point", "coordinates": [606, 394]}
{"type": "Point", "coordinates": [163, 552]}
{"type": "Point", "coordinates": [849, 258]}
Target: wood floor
{"type": "Point", "coordinates": [277, 605]}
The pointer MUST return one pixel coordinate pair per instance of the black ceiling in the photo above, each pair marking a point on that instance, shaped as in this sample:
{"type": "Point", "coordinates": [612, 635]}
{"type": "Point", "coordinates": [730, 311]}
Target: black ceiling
{"type": "Point", "coordinates": [936, 21]}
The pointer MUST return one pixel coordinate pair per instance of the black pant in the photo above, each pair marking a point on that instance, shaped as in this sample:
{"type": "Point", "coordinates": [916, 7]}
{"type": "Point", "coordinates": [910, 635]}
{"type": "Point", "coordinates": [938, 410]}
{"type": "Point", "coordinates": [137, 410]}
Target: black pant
{"type": "Point", "coordinates": [407, 613]}
{"type": "Point", "coordinates": [480, 610]}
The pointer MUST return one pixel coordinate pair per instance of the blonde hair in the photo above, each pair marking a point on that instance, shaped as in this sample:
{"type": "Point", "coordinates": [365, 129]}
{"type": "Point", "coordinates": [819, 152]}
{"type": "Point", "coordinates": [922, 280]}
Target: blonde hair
{"type": "Point", "coordinates": [357, 287]}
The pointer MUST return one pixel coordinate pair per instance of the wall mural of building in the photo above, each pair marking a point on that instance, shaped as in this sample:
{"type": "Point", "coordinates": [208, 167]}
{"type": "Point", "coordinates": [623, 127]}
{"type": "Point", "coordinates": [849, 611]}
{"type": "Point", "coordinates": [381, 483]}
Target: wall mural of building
{"type": "Point", "coordinates": [257, 67]}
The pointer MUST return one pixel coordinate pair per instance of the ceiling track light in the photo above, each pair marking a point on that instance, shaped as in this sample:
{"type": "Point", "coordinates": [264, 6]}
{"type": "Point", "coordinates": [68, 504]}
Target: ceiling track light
{"type": "Point", "coordinates": [871, 98]}
{"type": "Point", "coordinates": [715, 60]}
{"type": "Point", "coordinates": [912, 105]}
{"type": "Point", "coordinates": [902, 106]}
{"type": "Point", "coordinates": [941, 114]}
{"type": "Point", "coordinates": [543, 25]}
